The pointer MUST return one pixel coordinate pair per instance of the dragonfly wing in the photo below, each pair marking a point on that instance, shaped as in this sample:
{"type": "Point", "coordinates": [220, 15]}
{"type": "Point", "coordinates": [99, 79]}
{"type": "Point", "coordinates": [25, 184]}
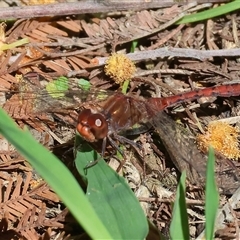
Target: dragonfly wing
{"type": "Point", "coordinates": [40, 96]}
{"type": "Point", "coordinates": [185, 155]}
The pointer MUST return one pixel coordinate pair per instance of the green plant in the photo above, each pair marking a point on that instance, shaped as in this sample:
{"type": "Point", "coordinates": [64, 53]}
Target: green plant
{"type": "Point", "coordinates": [86, 209]}
{"type": "Point", "coordinates": [179, 228]}
{"type": "Point", "coordinates": [109, 194]}
{"type": "Point", "coordinates": [211, 13]}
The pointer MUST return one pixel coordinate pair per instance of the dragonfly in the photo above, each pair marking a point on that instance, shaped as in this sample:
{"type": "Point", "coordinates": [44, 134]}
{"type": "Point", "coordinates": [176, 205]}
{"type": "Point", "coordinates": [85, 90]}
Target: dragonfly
{"type": "Point", "coordinates": [121, 112]}
{"type": "Point", "coordinates": [105, 116]}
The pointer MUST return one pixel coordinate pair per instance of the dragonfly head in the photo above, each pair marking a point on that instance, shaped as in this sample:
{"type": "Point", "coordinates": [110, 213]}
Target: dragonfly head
{"type": "Point", "coordinates": [92, 126]}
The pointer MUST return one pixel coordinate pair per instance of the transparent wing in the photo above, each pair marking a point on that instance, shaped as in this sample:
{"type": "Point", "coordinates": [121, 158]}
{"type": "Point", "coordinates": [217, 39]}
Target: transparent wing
{"type": "Point", "coordinates": [185, 155]}
{"type": "Point", "coordinates": [34, 95]}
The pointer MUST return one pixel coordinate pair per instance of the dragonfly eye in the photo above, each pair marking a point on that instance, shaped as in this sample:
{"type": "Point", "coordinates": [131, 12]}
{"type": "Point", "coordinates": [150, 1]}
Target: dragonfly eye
{"type": "Point", "coordinates": [98, 125]}
{"type": "Point", "coordinates": [84, 115]}
{"type": "Point", "coordinates": [92, 127]}
{"type": "Point", "coordinates": [83, 127]}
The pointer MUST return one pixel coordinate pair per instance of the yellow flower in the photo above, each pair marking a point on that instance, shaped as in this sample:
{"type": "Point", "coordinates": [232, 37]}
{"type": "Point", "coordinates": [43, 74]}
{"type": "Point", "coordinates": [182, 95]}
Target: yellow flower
{"type": "Point", "coordinates": [222, 137]}
{"type": "Point", "coordinates": [119, 68]}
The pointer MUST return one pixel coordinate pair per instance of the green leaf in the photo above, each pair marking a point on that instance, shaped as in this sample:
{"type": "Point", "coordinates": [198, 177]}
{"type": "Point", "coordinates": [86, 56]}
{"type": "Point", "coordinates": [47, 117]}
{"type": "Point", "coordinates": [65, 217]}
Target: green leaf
{"type": "Point", "coordinates": [111, 197]}
{"type": "Point", "coordinates": [179, 228]}
{"type": "Point", "coordinates": [212, 197]}
{"type": "Point", "coordinates": [56, 174]}
{"type": "Point", "coordinates": [211, 13]}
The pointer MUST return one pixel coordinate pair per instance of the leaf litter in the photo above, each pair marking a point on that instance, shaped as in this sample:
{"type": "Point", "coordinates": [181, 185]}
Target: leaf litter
{"type": "Point", "coordinates": [71, 46]}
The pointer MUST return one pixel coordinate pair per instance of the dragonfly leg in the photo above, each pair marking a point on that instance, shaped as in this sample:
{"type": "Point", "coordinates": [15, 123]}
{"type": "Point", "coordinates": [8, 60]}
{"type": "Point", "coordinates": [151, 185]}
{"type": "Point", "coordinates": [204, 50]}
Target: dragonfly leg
{"type": "Point", "coordinates": [114, 144]}
{"type": "Point", "coordinates": [92, 163]}
{"type": "Point", "coordinates": [122, 139]}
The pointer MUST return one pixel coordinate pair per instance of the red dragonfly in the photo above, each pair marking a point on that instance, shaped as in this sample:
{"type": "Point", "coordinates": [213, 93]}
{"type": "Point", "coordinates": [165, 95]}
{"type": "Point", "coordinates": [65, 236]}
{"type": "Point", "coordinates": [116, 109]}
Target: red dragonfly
{"type": "Point", "coordinates": [108, 119]}
{"type": "Point", "coordinates": [121, 112]}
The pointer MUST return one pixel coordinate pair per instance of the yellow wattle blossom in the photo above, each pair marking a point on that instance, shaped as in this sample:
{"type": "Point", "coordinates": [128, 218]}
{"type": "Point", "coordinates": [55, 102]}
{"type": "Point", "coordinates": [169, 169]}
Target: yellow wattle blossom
{"type": "Point", "coordinates": [119, 68]}
{"type": "Point", "coordinates": [222, 137]}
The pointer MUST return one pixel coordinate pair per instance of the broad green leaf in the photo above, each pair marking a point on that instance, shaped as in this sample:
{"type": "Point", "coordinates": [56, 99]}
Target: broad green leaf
{"type": "Point", "coordinates": [111, 197]}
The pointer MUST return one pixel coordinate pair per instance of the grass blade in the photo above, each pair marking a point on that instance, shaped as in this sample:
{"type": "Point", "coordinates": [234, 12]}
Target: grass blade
{"type": "Point", "coordinates": [179, 228]}
{"type": "Point", "coordinates": [211, 13]}
{"type": "Point", "coordinates": [212, 197]}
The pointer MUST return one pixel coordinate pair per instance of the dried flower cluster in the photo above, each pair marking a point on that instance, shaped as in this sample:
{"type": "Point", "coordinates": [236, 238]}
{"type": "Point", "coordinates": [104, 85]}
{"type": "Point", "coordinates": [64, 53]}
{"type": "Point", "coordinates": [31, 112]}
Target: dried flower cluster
{"type": "Point", "coordinates": [222, 137]}
{"type": "Point", "coordinates": [119, 68]}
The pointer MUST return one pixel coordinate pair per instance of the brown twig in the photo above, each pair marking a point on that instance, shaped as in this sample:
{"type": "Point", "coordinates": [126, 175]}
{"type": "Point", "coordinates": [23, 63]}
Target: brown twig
{"type": "Point", "coordinates": [178, 52]}
{"type": "Point", "coordinates": [167, 38]}
{"type": "Point", "coordinates": [88, 7]}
